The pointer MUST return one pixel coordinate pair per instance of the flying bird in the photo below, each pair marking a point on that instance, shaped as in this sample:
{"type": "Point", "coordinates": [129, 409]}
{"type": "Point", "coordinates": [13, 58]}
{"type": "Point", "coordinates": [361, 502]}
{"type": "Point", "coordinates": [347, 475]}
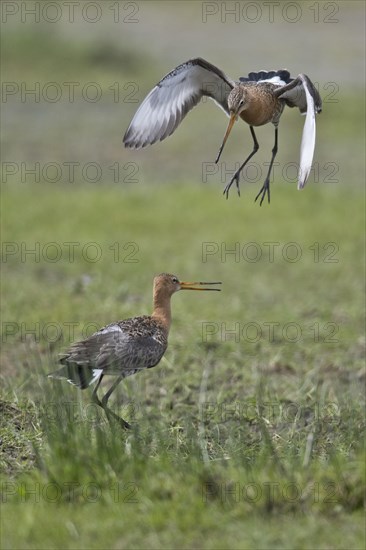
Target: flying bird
{"type": "Point", "coordinates": [125, 347]}
{"type": "Point", "coordinates": [257, 99]}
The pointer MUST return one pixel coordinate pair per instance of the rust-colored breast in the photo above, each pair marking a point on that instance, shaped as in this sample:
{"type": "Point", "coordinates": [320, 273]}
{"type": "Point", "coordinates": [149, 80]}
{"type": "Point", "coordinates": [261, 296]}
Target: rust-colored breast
{"type": "Point", "coordinates": [263, 106]}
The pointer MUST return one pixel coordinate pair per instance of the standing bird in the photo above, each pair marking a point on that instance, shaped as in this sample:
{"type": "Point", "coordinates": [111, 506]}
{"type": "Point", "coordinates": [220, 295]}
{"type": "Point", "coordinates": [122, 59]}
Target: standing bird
{"type": "Point", "coordinates": [257, 99]}
{"type": "Point", "coordinates": [125, 347]}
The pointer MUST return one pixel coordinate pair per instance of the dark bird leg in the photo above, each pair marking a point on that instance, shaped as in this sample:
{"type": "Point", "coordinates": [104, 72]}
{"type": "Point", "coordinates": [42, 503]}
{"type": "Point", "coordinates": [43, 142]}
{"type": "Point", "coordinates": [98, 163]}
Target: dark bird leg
{"type": "Point", "coordinates": [237, 173]}
{"type": "Point", "coordinates": [265, 188]}
{"type": "Point", "coordinates": [103, 403]}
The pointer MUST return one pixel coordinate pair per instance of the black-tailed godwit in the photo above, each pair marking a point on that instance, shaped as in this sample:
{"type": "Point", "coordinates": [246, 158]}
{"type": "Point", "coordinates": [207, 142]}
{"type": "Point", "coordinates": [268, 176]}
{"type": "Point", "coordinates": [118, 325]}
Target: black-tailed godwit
{"type": "Point", "coordinates": [257, 99]}
{"type": "Point", "coordinates": [125, 347]}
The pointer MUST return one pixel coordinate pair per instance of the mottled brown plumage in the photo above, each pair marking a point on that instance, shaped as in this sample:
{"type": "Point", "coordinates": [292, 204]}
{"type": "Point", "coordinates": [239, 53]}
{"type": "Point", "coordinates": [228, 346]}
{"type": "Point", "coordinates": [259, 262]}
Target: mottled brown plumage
{"type": "Point", "coordinates": [124, 347]}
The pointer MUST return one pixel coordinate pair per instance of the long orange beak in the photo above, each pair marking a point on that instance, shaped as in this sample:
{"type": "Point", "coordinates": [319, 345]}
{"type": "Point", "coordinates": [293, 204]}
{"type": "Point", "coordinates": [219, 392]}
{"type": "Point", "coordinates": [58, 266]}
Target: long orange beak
{"type": "Point", "coordinates": [228, 130]}
{"type": "Point", "coordinates": [196, 286]}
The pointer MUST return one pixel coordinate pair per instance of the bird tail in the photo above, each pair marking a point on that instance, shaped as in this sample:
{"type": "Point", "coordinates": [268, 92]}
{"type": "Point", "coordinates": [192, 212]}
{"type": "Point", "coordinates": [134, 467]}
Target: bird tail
{"type": "Point", "coordinates": [277, 77]}
{"type": "Point", "coordinates": [78, 375]}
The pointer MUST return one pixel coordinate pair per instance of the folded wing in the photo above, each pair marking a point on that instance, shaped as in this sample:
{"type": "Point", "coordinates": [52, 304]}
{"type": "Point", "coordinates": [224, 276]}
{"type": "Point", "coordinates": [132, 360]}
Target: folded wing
{"type": "Point", "coordinates": [173, 97]}
{"type": "Point", "coordinates": [111, 350]}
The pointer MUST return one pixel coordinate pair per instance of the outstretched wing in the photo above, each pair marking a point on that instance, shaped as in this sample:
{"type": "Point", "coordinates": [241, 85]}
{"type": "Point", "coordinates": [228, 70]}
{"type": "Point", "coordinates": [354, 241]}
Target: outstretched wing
{"type": "Point", "coordinates": [302, 93]}
{"type": "Point", "coordinates": [173, 97]}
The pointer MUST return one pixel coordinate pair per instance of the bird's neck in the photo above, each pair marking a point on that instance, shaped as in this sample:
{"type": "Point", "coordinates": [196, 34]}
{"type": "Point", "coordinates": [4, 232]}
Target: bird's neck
{"type": "Point", "coordinates": [162, 310]}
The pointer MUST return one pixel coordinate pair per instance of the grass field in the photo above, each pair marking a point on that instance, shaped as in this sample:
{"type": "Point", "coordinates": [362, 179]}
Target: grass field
{"type": "Point", "coordinates": [233, 429]}
{"type": "Point", "coordinates": [250, 432]}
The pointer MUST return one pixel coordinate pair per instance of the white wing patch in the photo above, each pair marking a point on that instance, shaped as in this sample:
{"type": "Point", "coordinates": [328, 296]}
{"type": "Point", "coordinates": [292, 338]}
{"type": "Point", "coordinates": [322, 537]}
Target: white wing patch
{"type": "Point", "coordinates": [302, 93]}
{"type": "Point", "coordinates": [307, 141]}
{"type": "Point", "coordinates": [109, 328]}
{"type": "Point", "coordinates": [274, 80]}
{"type": "Point", "coordinates": [96, 374]}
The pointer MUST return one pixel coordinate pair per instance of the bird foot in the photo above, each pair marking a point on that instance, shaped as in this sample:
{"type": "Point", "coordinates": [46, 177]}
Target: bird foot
{"type": "Point", "coordinates": [263, 192]}
{"type": "Point", "coordinates": [235, 178]}
{"type": "Point", "coordinates": [115, 418]}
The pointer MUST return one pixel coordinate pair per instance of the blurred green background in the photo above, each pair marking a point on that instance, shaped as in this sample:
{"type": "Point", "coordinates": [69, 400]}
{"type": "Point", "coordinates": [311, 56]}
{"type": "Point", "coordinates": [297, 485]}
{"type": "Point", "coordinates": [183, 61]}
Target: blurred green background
{"type": "Point", "coordinates": [66, 178]}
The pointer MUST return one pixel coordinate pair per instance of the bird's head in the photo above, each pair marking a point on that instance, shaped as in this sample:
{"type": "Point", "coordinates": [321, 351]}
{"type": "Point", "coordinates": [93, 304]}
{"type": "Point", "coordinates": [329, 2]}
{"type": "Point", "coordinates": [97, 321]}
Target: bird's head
{"type": "Point", "coordinates": [168, 284]}
{"type": "Point", "coordinates": [237, 103]}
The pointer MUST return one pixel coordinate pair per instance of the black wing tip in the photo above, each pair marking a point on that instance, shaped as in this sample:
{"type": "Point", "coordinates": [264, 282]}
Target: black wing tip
{"type": "Point", "coordinates": [128, 140]}
{"type": "Point", "coordinates": [179, 68]}
{"type": "Point", "coordinates": [131, 143]}
{"type": "Point", "coordinates": [202, 63]}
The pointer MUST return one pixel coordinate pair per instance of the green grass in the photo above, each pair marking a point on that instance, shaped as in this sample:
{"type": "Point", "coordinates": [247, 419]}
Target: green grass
{"type": "Point", "coordinates": [231, 437]}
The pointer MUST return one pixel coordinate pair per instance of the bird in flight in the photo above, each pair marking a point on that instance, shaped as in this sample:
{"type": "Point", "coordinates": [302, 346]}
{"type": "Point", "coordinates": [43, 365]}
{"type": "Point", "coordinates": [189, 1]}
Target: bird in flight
{"type": "Point", "coordinates": [125, 347]}
{"type": "Point", "coordinates": [257, 99]}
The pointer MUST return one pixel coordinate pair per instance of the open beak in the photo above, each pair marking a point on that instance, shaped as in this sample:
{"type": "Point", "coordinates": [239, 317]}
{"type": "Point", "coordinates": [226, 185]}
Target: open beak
{"type": "Point", "coordinates": [198, 286]}
{"type": "Point", "coordinates": [228, 130]}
